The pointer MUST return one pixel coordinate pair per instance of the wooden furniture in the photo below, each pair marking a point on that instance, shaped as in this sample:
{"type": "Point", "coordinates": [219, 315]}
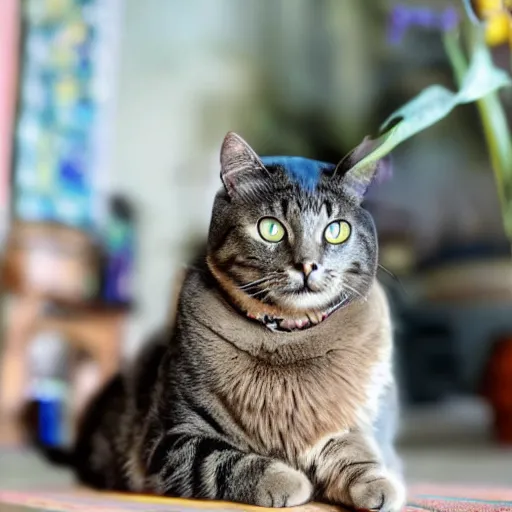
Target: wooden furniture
{"type": "Point", "coordinates": [51, 273]}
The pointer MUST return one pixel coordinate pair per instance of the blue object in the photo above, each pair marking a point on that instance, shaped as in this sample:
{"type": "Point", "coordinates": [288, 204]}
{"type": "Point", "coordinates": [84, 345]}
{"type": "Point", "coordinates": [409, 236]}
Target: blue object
{"type": "Point", "coordinates": [403, 17]}
{"type": "Point", "coordinates": [50, 421]}
{"type": "Point", "coordinates": [304, 171]}
{"type": "Point", "coordinates": [120, 247]}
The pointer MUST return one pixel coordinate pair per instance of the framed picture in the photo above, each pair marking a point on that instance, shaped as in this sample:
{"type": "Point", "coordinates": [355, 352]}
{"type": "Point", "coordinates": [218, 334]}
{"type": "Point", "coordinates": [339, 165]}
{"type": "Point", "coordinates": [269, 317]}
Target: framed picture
{"type": "Point", "coordinates": [66, 94]}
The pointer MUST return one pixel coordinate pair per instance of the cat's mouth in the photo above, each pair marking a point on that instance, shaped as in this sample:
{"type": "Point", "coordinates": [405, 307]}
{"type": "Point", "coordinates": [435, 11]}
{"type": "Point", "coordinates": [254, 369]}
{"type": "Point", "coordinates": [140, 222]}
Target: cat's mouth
{"type": "Point", "coordinates": [309, 319]}
{"type": "Point", "coordinates": [304, 290]}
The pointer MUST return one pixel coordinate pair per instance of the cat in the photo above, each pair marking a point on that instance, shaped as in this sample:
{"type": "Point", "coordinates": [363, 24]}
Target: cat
{"type": "Point", "coordinates": [275, 386]}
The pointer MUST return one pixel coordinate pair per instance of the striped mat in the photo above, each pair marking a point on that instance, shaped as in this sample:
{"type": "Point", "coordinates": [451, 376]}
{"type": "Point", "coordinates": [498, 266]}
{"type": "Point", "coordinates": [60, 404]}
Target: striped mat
{"type": "Point", "coordinates": [429, 498]}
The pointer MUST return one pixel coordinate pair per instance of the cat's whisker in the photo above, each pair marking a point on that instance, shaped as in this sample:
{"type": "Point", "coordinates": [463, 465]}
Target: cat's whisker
{"type": "Point", "coordinates": [271, 275]}
{"type": "Point", "coordinates": [259, 292]}
{"type": "Point", "coordinates": [253, 283]}
{"type": "Point", "coordinates": [263, 282]}
{"type": "Point", "coordinates": [355, 291]}
{"type": "Point", "coordinates": [271, 284]}
{"type": "Point", "coordinates": [395, 277]}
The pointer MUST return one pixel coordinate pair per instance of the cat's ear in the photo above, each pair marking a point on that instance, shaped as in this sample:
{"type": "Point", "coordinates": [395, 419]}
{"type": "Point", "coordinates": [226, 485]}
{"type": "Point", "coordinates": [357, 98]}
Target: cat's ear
{"type": "Point", "coordinates": [240, 165]}
{"type": "Point", "coordinates": [356, 179]}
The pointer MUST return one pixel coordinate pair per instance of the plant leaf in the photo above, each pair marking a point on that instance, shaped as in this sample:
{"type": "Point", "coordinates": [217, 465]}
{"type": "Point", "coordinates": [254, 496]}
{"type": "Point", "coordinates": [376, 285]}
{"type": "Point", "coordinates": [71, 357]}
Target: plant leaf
{"type": "Point", "coordinates": [470, 11]}
{"type": "Point", "coordinates": [435, 103]}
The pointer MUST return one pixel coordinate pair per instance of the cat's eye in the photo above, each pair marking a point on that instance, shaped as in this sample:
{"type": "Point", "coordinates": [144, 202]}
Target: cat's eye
{"type": "Point", "coordinates": [271, 229]}
{"type": "Point", "coordinates": [337, 232]}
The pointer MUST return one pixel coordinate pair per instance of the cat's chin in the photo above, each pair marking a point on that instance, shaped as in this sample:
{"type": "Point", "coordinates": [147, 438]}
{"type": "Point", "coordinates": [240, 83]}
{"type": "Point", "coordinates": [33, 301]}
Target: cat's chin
{"type": "Point", "coordinates": [304, 300]}
{"type": "Point", "coordinates": [297, 320]}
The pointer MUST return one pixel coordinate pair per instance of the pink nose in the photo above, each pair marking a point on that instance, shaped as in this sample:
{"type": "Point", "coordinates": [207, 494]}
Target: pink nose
{"type": "Point", "coordinates": [308, 267]}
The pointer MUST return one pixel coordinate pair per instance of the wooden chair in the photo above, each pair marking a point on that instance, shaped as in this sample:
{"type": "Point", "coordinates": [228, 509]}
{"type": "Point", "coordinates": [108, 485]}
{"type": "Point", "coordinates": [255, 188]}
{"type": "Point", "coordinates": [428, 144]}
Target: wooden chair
{"type": "Point", "coordinates": [51, 273]}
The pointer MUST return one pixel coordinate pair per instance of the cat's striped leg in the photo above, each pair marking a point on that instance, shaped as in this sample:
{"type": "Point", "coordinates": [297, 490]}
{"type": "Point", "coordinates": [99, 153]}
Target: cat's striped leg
{"type": "Point", "coordinates": [210, 468]}
{"type": "Point", "coordinates": [348, 469]}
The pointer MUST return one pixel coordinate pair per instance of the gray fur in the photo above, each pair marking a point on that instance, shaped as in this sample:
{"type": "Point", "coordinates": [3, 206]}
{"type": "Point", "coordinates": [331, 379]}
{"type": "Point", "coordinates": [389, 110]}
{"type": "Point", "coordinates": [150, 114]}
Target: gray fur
{"type": "Point", "coordinates": [225, 408]}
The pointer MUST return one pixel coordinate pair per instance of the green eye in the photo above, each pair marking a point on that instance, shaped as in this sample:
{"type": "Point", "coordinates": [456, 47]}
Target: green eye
{"type": "Point", "coordinates": [337, 232]}
{"type": "Point", "coordinates": [271, 230]}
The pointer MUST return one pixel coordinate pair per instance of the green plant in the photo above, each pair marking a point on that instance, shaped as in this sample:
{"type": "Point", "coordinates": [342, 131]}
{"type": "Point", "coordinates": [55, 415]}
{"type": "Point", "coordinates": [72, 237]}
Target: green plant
{"type": "Point", "coordinates": [478, 81]}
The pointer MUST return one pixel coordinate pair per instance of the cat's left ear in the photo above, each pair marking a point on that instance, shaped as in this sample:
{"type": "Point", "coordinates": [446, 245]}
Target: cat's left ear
{"type": "Point", "coordinates": [355, 180]}
{"type": "Point", "coordinates": [240, 165]}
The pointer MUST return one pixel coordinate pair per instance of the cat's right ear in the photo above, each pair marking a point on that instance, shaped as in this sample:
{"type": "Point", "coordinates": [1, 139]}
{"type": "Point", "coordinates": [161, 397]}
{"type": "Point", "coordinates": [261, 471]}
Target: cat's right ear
{"type": "Point", "coordinates": [356, 181]}
{"type": "Point", "coordinates": [240, 165]}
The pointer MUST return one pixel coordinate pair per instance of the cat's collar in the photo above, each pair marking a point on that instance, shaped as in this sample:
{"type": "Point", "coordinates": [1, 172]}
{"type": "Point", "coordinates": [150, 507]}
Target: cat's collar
{"type": "Point", "coordinates": [295, 324]}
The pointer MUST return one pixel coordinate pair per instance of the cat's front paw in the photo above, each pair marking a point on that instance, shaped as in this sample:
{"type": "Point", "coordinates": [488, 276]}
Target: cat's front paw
{"type": "Point", "coordinates": [283, 486]}
{"type": "Point", "coordinates": [382, 492]}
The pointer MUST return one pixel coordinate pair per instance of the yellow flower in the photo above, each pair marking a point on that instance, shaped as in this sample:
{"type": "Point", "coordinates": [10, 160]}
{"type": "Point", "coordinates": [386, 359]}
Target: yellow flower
{"type": "Point", "coordinates": [498, 20]}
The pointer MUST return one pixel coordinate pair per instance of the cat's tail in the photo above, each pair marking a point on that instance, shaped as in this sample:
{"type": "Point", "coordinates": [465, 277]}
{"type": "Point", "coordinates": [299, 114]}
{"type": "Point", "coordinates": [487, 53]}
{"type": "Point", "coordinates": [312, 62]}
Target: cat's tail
{"type": "Point", "coordinates": [56, 455]}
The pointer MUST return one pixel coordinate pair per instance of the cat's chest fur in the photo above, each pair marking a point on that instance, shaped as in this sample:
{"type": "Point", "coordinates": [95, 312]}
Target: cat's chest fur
{"type": "Point", "coordinates": [287, 391]}
{"type": "Point", "coordinates": [287, 410]}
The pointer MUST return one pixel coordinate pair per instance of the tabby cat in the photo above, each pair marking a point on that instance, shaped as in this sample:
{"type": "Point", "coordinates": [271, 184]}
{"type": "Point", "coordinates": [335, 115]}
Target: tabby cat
{"type": "Point", "coordinates": [275, 386]}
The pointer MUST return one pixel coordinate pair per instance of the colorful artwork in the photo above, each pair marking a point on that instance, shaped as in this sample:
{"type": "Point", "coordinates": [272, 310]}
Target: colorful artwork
{"type": "Point", "coordinates": [64, 95]}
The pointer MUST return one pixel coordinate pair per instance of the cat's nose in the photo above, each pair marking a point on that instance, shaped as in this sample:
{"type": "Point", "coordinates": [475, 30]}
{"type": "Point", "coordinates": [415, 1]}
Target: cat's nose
{"type": "Point", "coordinates": [307, 267]}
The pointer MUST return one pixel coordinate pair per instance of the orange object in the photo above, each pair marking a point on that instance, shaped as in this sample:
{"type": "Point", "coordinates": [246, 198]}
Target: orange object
{"type": "Point", "coordinates": [498, 20]}
{"type": "Point", "coordinates": [498, 388]}
{"type": "Point", "coordinates": [50, 261]}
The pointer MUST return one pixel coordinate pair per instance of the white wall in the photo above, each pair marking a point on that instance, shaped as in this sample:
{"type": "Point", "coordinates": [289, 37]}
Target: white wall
{"type": "Point", "coordinates": [178, 71]}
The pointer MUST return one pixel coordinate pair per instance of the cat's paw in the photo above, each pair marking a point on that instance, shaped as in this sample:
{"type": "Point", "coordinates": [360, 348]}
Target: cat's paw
{"type": "Point", "coordinates": [382, 492]}
{"type": "Point", "coordinates": [283, 486]}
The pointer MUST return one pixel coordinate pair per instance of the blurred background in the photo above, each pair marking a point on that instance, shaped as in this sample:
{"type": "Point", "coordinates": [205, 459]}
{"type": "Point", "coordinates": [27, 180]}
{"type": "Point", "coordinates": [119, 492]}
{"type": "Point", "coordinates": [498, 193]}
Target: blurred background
{"type": "Point", "coordinates": [112, 113]}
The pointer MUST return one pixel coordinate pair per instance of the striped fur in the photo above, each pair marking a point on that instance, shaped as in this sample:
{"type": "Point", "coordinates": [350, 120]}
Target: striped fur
{"type": "Point", "coordinates": [224, 408]}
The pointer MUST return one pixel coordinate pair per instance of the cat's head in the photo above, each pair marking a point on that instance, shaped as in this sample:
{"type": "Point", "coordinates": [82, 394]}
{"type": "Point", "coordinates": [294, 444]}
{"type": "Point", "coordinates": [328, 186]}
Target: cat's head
{"type": "Point", "coordinates": [289, 241]}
